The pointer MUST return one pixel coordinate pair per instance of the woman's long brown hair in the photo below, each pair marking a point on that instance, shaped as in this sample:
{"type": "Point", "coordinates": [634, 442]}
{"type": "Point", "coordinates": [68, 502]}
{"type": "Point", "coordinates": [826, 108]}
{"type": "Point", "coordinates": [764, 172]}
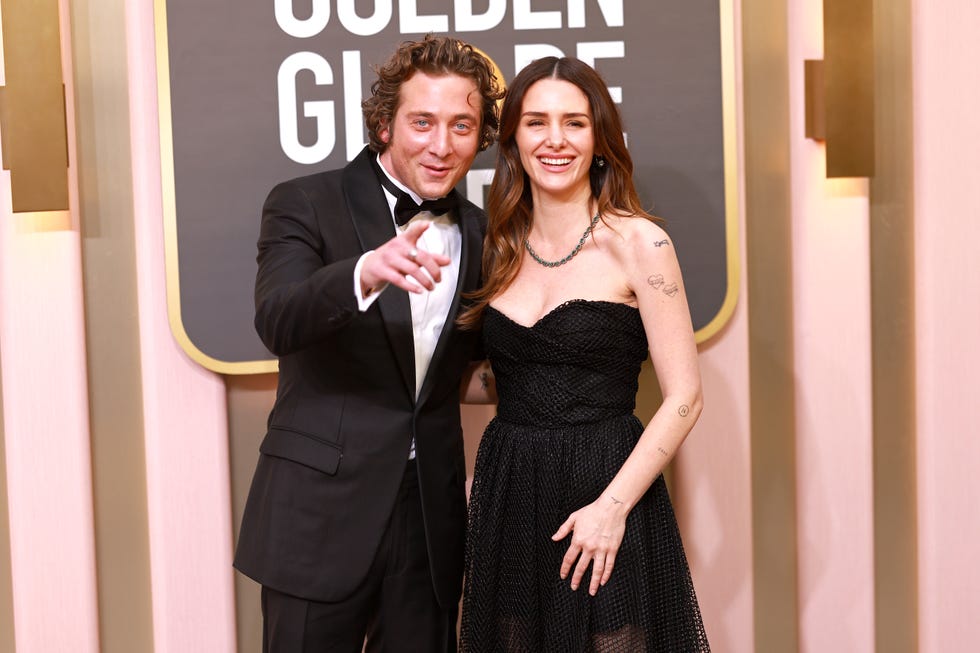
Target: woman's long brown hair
{"type": "Point", "coordinates": [509, 205]}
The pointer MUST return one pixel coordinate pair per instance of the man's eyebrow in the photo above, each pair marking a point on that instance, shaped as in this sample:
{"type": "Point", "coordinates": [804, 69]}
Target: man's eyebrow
{"type": "Point", "coordinates": [429, 114]}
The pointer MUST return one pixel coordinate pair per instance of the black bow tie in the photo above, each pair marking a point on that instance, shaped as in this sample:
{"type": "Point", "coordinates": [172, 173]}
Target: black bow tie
{"type": "Point", "coordinates": [405, 206]}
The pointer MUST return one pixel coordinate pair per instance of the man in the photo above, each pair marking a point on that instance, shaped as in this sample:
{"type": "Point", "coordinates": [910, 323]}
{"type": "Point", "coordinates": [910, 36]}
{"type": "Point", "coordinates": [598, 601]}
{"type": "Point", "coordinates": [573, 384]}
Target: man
{"type": "Point", "coordinates": [355, 519]}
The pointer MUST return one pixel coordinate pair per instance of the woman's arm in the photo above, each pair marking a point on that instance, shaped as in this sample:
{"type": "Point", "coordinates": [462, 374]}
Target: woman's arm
{"type": "Point", "coordinates": [654, 277]}
{"type": "Point", "coordinates": [477, 385]}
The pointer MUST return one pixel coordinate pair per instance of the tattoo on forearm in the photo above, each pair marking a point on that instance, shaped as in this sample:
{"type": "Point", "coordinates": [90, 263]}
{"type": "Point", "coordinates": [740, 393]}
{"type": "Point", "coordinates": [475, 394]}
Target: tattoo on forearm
{"type": "Point", "coordinates": [615, 500]}
{"type": "Point", "coordinates": [683, 410]}
{"type": "Point", "coordinates": [657, 281]}
{"type": "Point", "coordinates": [661, 243]}
{"type": "Point", "coordinates": [662, 451]}
{"type": "Point", "coordinates": [484, 379]}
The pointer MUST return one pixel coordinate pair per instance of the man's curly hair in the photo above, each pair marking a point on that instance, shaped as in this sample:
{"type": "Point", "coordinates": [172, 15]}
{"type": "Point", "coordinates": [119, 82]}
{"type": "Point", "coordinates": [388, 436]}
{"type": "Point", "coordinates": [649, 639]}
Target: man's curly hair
{"type": "Point", "coordinates": [433, 55]}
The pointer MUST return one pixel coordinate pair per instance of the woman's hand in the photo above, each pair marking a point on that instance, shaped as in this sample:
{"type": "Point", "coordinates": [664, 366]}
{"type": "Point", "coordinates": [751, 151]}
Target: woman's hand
{"type": "Point", "coordinates": [597, 532]}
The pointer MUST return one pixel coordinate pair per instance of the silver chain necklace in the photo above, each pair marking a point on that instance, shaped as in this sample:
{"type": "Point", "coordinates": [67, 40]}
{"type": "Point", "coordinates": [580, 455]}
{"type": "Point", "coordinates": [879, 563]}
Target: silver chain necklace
{"type": "Point", "coordinates": [554, 264]}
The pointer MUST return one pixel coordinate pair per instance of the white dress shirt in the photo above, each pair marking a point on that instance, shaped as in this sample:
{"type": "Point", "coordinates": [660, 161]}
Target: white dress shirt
{"type": "Point", "coordinates": [429, 308]}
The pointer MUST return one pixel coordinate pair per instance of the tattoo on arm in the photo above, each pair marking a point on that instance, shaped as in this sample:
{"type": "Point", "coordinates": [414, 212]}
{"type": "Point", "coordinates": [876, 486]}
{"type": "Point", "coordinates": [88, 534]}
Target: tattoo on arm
{"type": "Point", "coordinates": [661, 243]}
{"type": "Point", "coordinates": [657, 281]}
{"type": "Point", "coordinates": [662, 451]}
{"type": "Point", "coordinates": [615, 500]}
{"type": "Point", "coordinates": [683, 410]}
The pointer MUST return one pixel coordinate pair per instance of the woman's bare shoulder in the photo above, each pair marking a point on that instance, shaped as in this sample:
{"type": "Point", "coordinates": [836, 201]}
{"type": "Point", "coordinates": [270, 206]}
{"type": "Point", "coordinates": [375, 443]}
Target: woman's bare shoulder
{"type": "Point", "coordinates": [634, 235]}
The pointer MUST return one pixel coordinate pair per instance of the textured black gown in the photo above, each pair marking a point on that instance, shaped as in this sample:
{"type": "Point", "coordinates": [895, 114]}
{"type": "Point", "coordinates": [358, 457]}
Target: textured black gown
{"type": "Point", "coordinates": [564, 427]}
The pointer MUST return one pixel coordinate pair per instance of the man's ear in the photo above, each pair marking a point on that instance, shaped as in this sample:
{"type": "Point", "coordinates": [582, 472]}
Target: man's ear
{"type": "Point", "coordinates": [384, 133]}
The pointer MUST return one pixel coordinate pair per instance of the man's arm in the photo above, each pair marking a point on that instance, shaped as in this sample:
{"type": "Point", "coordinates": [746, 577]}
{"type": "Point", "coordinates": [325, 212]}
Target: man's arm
{"type": "Point", "coordinates": [299, 298]}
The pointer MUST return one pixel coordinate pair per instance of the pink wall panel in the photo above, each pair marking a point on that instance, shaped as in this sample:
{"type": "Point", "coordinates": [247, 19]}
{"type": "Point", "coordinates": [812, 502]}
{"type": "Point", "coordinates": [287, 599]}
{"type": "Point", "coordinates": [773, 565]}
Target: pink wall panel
{"type": "Point", "coordinates": [49, 485]}
{"type": "Point", "coordinates": [947, 210]}
{"type": "Point", "coordinates": [832, 335]}
{"type": "Point", "coordinates": [185, 416]}
{"type": "Point", "coordinates": [712, 491]}
{"type": "Point", "coordinates": [46, 429]}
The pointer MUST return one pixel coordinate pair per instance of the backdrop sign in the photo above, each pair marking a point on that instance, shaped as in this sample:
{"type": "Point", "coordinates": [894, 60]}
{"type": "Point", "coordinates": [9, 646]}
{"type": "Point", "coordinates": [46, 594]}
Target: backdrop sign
{"type": "Point", "coordinates": [253, 93]}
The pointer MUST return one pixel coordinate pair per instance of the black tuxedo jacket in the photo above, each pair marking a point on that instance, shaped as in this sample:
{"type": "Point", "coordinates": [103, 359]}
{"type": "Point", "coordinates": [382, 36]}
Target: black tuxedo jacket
{"type": "Point", "coordinates": [345, 413]}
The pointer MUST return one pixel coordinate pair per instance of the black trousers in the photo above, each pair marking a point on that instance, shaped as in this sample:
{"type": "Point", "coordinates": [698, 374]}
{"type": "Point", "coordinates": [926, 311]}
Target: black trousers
{"type": "Point", "coordinates": [395, 607]}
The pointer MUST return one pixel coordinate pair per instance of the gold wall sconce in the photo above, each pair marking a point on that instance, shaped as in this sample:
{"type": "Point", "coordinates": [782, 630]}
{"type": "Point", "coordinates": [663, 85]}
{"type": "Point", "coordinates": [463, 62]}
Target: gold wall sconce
{"type": "Point", "coordinates": [32, 107]}
{"type": "Point", "coordinates": [840, 89]}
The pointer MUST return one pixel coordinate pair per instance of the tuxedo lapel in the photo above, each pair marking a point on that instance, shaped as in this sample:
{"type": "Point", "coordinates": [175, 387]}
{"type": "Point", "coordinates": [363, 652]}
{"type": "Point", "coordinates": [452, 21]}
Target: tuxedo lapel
{"type": "Point", "coordinates": [371, 216]}
{"type": "Point", "coordinates": [470, 262]}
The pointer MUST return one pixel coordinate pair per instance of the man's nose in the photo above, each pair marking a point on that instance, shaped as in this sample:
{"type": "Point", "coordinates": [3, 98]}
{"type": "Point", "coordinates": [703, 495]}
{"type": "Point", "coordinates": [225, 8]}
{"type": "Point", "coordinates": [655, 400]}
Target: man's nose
{"type": "Point", "coordinates": [440, 143]}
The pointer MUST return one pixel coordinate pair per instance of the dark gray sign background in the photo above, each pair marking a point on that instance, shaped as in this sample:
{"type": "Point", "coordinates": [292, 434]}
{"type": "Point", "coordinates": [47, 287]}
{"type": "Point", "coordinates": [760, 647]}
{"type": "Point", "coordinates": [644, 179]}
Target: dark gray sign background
{"type": "Point", "coordinates": [224, 61]}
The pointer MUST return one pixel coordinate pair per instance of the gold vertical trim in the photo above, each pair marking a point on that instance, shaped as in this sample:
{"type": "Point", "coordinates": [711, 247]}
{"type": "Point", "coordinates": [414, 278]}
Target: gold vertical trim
{"type": "Point", "coordinates": [892, 242]}
{"type": "Point", "coordinates": [249, 400]}
{"type": "Point", "coordinates": [6, 576]}
{"type": "Point", "coordinates": [770, 316]}
{"type": "Point", "coordinates": [730, 153]}
{"type": "Point", "coordinates": [105, 204]}
{"type": "Point", "coordinates": [32, 107]}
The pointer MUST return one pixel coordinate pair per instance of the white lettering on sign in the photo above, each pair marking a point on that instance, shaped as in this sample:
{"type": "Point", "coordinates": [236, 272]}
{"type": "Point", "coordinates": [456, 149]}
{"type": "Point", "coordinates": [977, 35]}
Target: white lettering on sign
{"type": "Point", "coordinates": [411, 23]}
{"type": "Point", "coordinates": [354, 132]}
{"type": "Point", "coordinates": [589, 52]}
{"type": "Point", "coordinates": [526, 18]}
{"type": "Point", "coordinates": [364, 26]}
{"type": "Point", "coordinates": [612, 12]}
{"type": "Point", "coordinates": [321, 110]}
{"type": "Point", "coordinates": [466, 16]}
{"type": "Point", "coordinates": [302, 29]}
{"type": "Point", "coordinates": [467, 21]}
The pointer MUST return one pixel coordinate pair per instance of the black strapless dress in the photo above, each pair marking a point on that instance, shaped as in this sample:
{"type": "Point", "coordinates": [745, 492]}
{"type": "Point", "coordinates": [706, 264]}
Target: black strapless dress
{"type": "Point", "coordinates": [564, 427]}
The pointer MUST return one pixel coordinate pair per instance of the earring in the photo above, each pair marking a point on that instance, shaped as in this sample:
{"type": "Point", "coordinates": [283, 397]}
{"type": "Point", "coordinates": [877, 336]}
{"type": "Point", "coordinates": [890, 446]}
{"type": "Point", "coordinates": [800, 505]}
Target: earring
{"type": "Point", "coordinates": [598, 162]}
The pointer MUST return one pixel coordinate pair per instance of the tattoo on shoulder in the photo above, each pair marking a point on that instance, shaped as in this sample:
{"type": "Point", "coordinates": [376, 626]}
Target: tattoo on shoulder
{"type": "Point", "coordinates": [484, 379]}
{"type": "Point", "coordinates": [657, 281]}
{"type": "Point", "coordinates": [683, 410]}
{"type": "Point", "coordinates": [662, 243]}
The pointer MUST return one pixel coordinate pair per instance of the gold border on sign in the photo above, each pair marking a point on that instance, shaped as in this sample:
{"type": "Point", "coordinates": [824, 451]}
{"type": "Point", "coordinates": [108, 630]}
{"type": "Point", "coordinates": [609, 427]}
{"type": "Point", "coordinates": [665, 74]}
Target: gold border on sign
{"type": "Point", "coordinates": [729, 119]}
{"type": "Point", "coordinates": [168, 189]}
{"type": "Point", "coordinates": [169, 198]}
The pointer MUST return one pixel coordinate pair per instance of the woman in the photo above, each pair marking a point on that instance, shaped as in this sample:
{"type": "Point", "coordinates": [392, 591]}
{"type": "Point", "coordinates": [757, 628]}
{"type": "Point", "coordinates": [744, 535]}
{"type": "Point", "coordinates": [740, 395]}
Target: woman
{"type": "Point", "coordinates": [572, 542]}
